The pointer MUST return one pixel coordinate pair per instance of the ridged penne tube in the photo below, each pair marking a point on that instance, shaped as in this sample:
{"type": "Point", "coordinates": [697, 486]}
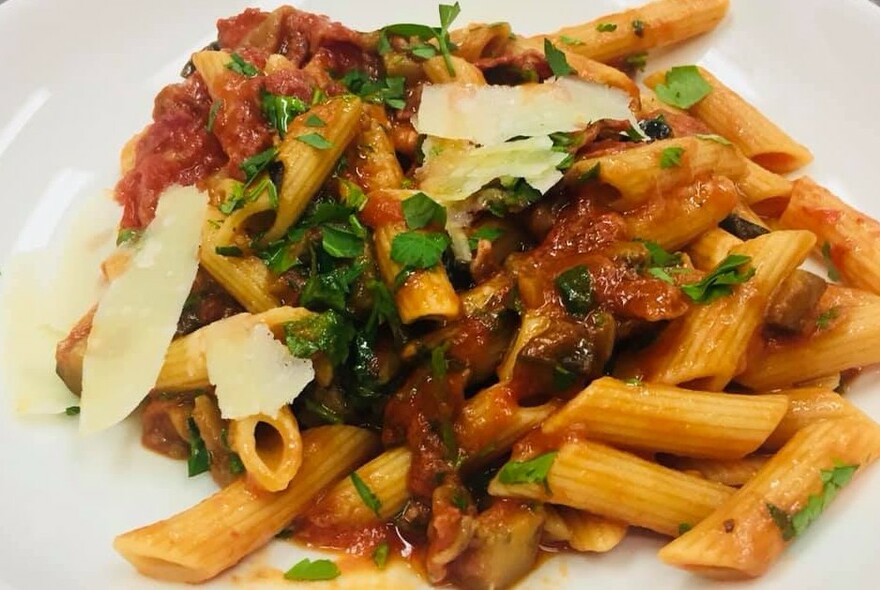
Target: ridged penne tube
{"type": "Point", "coordinates": [375, 160]}
{"type": "Point", "coordinates": [740, 539]}
{"type": "Point", "coordinates": [589, 533]}
{"type": "Point", "coordinates": [212, 536]}
{"type": "Point", "coordinates": [637, 175]}
{"type": "Point", "coordinates": [852, 340]}
{"type": "Point", "coordinates": [246, 278]}
{"type": "Point", "coordinates": [730, 472]}
{"type": "Point", "coordinates": [650, 104]}
{"type": "Point", "coordinates": [759, 185]}
{"type": "Point", "coordinates": [211, 66]}
{"type": "Point", "coordinates": [480, 40]}
{"type": "Point", "coordinates": [831, 382]}
{"type": "Point", "coordinates": [533, 323]}
{"type": "Point", "coordinates": [806, 406]}
{"type": "Point", "coordinates": [487, 293]}
{"type": "Point", "coordinates": [621, 486]}
{"type": "Point", "coordinates": [185, 367]}
{"type": "Point", "coordinates": [489, 425]}
{"type": "Point", "coordinates": [730, 116]}
{"type": "Point", "coordinates": [270, 448]}
{"type": "Point", "coordinates": [679, 217]}
{"type": "Point", "coordinates": [852, 238]}
{"type": "Point", "coordinates": [307, 167]}
{"type": "Point", "coordinates": [465, 72]}
{"type": "Point", "coordinates": [708, 250]}
{"type": "Point", "coordinates": [659, 418]}
{"type": "Point", "coordinates": [706, 347]}
{"type": "Point", "coordinates": [425, 294]}
{"type": "Point", "coordinates": [277, 62]}
{"type": "Point", "coordinates": [664, 22]}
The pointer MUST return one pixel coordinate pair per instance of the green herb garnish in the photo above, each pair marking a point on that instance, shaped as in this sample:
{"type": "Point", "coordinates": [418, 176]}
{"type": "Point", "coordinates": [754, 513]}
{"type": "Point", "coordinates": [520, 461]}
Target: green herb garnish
{"type": "Point", "coordinates": [315, 121]}
{"type": "Point", "coordinates": [718, 282]}
{"type": "Point", "coordinates": [684, 527]}
{"type": "Point", "coordinates": [448, 13]}
{"type": "Point", "coordinates": [556, 60]}
{"type": "Point", "coordinates": [684, 87]}
{"type": "Point", "coordinates": [341, 243]}
{"type": "Point", "coordinates": [199, 461]}
{"type": "Point", "coordinates": [380, 555]}
{"type": "Point", "coordinates": [572, 40]}
{"type": "Point", "coordinates": [240, 66]}
{"type": "Point", "coordinates": [420, 210]}
{"type": "Point", "coordinates": [128, 235]}
{"type": "Point", "coordinates": [369, 498]}
{"type": "Point", "coordinates": [575, 287]}
{"type": "Point", "coordinates": [531, 471]}
{"type": "Point", "coordinates": [638, 28]}
{"type": "Point", "coordinates": [826, 317]}
{"type": "Point", "coordinates": [326, 332]}
{"type": "Point", "coordinates": [606, 27]}
{"type": "Point", "coordinates": [231, 251]}
{"type": "Point", "coordinates": [311, 571]}
{"type": "Point", "coordinates": [280, 110]}
{"type": "Point", "coordinates": [390, 91]}
{"type": "Point", "coordinates": [671, 157]}
{"type": "Point", "coordinates": [316, 140]}
{"type": "Point", "coordinates": [417, 249]}
{"type": "Point", "coordinates": [71, 411]}
{"type": "Point", "coordinates": [713, 137]}
{"type": "Point", "coordinates": [212, 115]}
{"type": "Point", "coordinates": [487, 233]}
{"type": "Point", "coordinates": [833, 273]}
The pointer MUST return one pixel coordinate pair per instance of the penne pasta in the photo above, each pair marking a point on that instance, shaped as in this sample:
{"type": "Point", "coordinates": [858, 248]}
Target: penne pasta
{"type": "Point", "coordinates": [479, 40]}
{"type": "Point", "coordinates": [212, 536]}
{"type": "Point", "coordinates": [270, 448]}
{"type": "Point", "coordinates": [807, 406]}
{"type": "Point", "coordinates": [464, 71]}
{"type": "Point", "coordinates": [588, 533]}
{"type": "Point", "coordinates": [730, 472]}
{"type": "Point", "coordinates": [761, 188]}
{"type": "Point", "coordinates": [533, 324]}
{"type": "Point", "coordinates": [744, 536]}
{"type": "Point", "coordinates": [659, 418]}
{"type": "Point", "coordinates": [708, 250]}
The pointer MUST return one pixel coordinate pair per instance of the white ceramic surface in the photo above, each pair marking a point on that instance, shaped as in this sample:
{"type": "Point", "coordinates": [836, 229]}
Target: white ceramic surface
{"type": "Point", "coordinates": [79, 79]}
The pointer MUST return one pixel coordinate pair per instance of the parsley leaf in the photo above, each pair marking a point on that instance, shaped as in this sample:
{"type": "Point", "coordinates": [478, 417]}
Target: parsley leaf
{"type": "Point", "coordinates": [424, 51]}
{"type": "Point", "coordinates": [575, 286]}
{"type": "Point", "coordinates": [637, 60]}
{"type": "Point", "coordinates": [369, 498]}
{"type": "Point", "coordinates": [833, 273]}
{"type": "Point", "coordinates": [486, 232]}
{"type": "Point", "coordinates": [127, 235]}
{"type": "Point", "coordinates": [315, 121]}
{"type": "Point", "coordinates": [380, 555]}
{"type": "Point", "coordinates": [257, 163]}
{"type": "Point", "coordinates": [230, 251]}
{"type": "Point", "coordinates": [634, 381]}
{"type": "Point", "coordinates": [352, 195]}
{"type": "Point", "coordinates": [556, 60]}
{"type": "Point", "coordinates": [826, 317]}
{"type": "Point", "coordinates": [420, 210]}
{"type": "Point", "coordinates": [308, 570]}
{"type": "Point", "coordinates": [684, 527]}
{"type": "Point", "coordinates": [713, 137]}
{"type": "Point", "coordinates": [531, 471]}
{"type": "Point", "coordinates": [671, 157]}
{"type": "Point", "coordinates": [391, 90]}
{"type": "Point", "coordinates": [574, 41]}
{"type": "Point", "coordinates": [330, 289]}
{"type": "Point", "coordinates": [448, 13]}
{"type": "Point", "coordinates": [280, 110]}
{"type": "Point", "coordinates": [199, 461]}
{"type": "Point", "coordinates": [316, 140]}
{"type": "Point", "coordinates": [591, 174]}
{"type": "Point", "coordinates": [71, 410]}
{"type": "Point", "coordinates": [341, 243]}
{"type": "Point", "coordinates": [684, 87]}
{"type": "Point", "coordinates": [327, 332]}
{"type": "Point", "coordinates": [240, 66]}
{"type": "Point", "coordinates": [658, 256]}
{"type": "Point", "coordinates": [606, 27]}
{"type": "Point", "coordinates": [638, 28]}
{"type": "Point", "coordinates": [212, 114]}
{"type": "Point", "coordinates": [718, 282]}
{"type": "Point", "coordinates": [418, 250]}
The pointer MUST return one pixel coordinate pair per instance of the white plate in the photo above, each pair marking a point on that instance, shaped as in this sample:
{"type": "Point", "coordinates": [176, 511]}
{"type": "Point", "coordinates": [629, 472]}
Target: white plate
{"type": "Point", "coordinates": [79, 79]}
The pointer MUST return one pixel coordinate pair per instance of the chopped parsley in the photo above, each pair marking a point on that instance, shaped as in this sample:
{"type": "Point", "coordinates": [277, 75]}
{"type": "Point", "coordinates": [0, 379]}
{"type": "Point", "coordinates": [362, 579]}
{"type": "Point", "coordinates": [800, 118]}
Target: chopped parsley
{"type": "Point", "coordinates": [659, 257]}
{"type": "Point", "coordinates": [212, 115]}
{"type": "Point", "coordinates": [380, 555]}
{"type": "Point", "coordinates": [606, 27]}
{"type": "Point", "coordinates": [390, 91]}
{"type": "Point", "coordinates": [280, 110]}
{"type": "Point", "coordinates": [833, 480]}
{"type": "Point", "coordinates": [575, 287]}
{"type": "Point", "coordinates": [312, 571]}
{"type": "Point", "coordinates": [369, 498]}
{"type": "Point", "coordinates": [315, 121]}
{"type": "Point", "coordinates": [127, 235]}
{"type": "Point", "coordinates": [329, 290]}
{"type": "Point", "coordinates": [638, 28]}
{"type": "Point", "coordinates": [421, 210]}
{"type": "Point", "coordinates": [713, 137]}
{"type": "Point", "coordinates": [352, 195]}
{"type": "Point", "coordinates": [572, 40]}
{"type": "Point", "coordinates": [326, 332]}
{"type": "Point", "coordinates": [316, 140]}
{"type": "Point", "coordinates": [634, 382]}
{"type": "Point", "coordinates": [423, 51]}
{"type": "Point", "coordinates": [71, 411]}
{"type": "Point", "coordinates": [556, 60]}
{"type": "Point", "coordinates": [257, 163]}
{"type": "Point", "coordinates": [487, 233]}
{"type": "Point", "coordinates": [826, 317]}
{"type": "Point", "coordinates": [199, 460]}
{"type": "Point", "coordinates": [833, 273]}
{"type": "Point", "coordinates": [323, 412]}
{"type": "Point", "coordinates": [591, 174]}
{"type": "Point", "coordinates": [240, 66]}
{"type": "Point", "coordinates": [684, 87]}
{"type": "Point", "coordinates": [671, 157]}
{"type": "Point", "coordinates": [448, 13]}
{"type": "Point", "coordinates": [417, 249]}
{"type": "Point", "coordinates": [342, 242]}
{"type": "Point", "coordinates": [718, 282]}
{"type": "Point", "coordinates": [531, 471]}
{"type": "Point", "coordinates": [637, 60]}
{"type": "Point", "coordinates": [684, 527]}
{"type": "Point", "coordinates": [231, 251]}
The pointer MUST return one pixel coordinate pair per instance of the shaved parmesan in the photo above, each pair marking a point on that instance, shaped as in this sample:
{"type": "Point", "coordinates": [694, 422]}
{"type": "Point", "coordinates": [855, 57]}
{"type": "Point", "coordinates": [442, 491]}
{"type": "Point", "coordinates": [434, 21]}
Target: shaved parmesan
{"type": "Point", "coordinates": [137, 316]}
{"type": "Point", "coordinates": [253, 373]}
{"type": "Point", "coordinates": [455, 173]}
{"type": "Point", "coordinates": [490, 115]}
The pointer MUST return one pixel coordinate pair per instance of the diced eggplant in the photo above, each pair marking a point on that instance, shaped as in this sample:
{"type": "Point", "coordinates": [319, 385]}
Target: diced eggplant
{"type": "Point", "coordinates": [742, 228]}
{"type": "Point", "coordinates": [793, 301]}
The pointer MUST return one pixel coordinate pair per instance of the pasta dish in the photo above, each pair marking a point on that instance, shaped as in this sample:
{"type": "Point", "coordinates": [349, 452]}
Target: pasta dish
{"type": "Point", "coordinates": [451, 295]}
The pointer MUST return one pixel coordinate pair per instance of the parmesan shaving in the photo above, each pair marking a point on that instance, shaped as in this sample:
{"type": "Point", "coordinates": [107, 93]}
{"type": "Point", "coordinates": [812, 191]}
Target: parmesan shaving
{"type": "Point", "coordinates": [491, 115]}
{"type": "Point", "coordinates": [137, 316]}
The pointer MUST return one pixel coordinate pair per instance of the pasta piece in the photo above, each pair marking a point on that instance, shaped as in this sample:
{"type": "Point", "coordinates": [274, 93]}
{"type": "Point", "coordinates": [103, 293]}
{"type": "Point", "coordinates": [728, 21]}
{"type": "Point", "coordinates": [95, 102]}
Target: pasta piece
{"type": "Point", "coordinates": [637, 175]}
{"type": "Point", "coordinates": [706, 347]}
{"type": "Point", "coordinates": [760, 187]}
{"type": "Point", "coordinates": [663, 22]}
{"type": "Point", "coordinates": [306, 167]}
{"type": "Point", "coordinates": [707, 251]}
{"type": "Point", "coordinates": [651, 104]}
{"type": "Point", "coordinates": [831, 381]}
{"type": "Point", "coordinates": [740, 539]}
{"type": "Point", "coordinates": [185, 367]}
{"type": "Point", "coordinates": [621, 486]}
{"type": "Point", "coordinates": [806, 406]}
{"type": "Point", "coordinates": [674, 220]}
{"type": "Point", "coordinates": [533, 324]}
{"type": "Point", "coordinates": [590, 533]}
{"type": "Point", "coordinates": [851, 340]}
{"type": "Point", "coordinates": [730, 116]}
{"type": "Point", "coordinates": [478, 40]}
{"type": "Point", "coordinates": [374, 159]}
{"type": "Point", "coordinates": [660, 418]}
{"type": "Point", "coordinates": [269, 447]}
{"type": "Point", "coordinates": [276, 63]}
{"type": "Point", "coordinates": [850, 239]}
{"type": "Point", "coordinates": [211, 66]}
{"type": "Point", "coordinates": [730, 472]}
{"type": "Point", "coordinates": [212, 536]}
{"type": "Point", "coordinates": [424, 294]}
{"type": "Point", "coordinates": [465, 72]}
{"type": "Point", "coordinates": [486, 294]}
